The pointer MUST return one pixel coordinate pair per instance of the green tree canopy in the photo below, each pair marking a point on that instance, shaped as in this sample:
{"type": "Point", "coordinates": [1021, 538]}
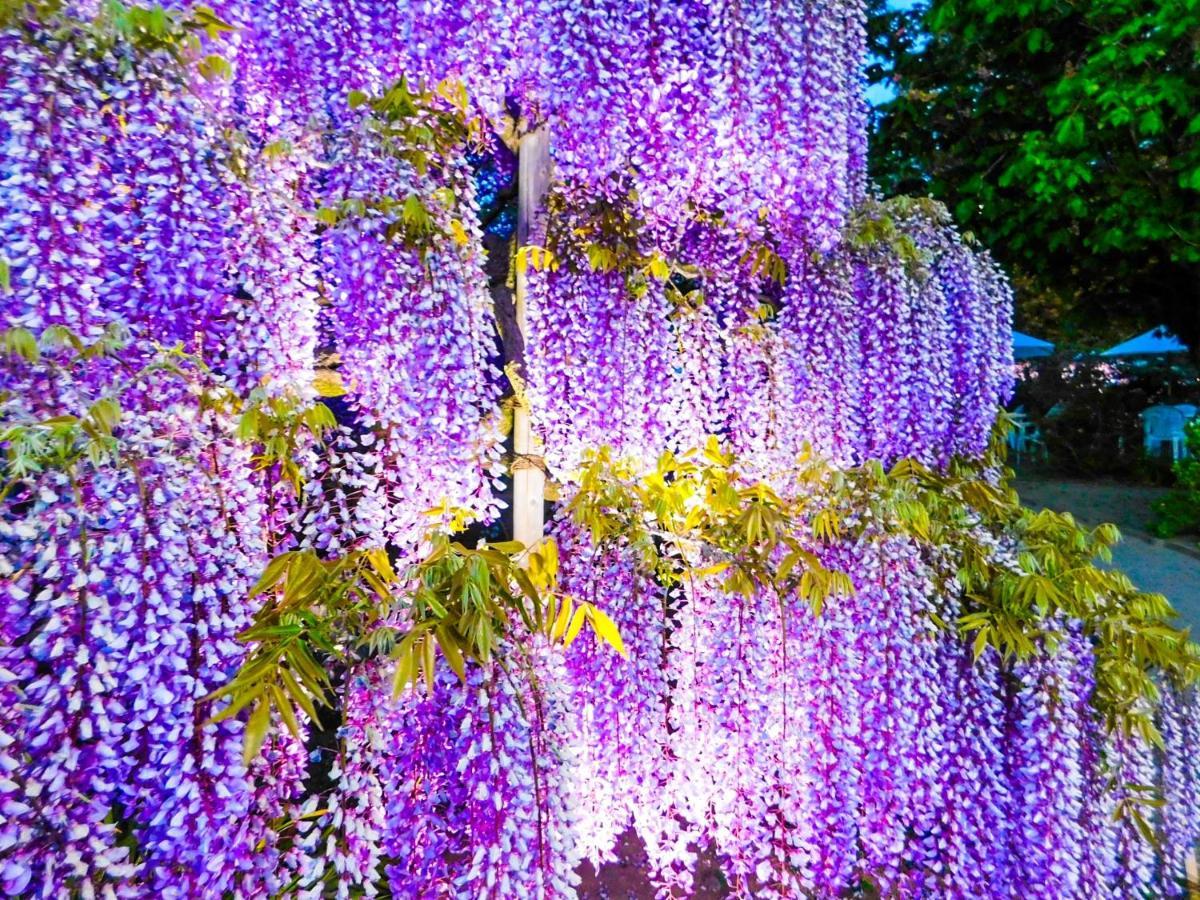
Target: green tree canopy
{"type": "Point", "coordinates": [1066, 135]}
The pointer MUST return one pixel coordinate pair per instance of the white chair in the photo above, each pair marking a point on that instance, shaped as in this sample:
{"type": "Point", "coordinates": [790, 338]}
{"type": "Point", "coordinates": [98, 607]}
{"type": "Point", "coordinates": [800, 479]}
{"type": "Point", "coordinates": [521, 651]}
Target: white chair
{"type": "Point", "coordinates": [1024, 437]}
{"type": "Point", "coordinates": [1163, 429]}
{"type": "Point", "coordinates": [1189, 412]}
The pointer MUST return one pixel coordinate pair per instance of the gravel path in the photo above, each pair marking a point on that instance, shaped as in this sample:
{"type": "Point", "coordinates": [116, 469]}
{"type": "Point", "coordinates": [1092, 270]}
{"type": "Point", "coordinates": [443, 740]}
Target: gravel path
{"type": "Point", "coordinates": [1153, 565]}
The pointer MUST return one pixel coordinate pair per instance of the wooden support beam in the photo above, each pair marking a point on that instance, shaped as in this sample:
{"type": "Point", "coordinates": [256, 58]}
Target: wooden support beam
{"type": "Point", "coordinates": [529, 478]}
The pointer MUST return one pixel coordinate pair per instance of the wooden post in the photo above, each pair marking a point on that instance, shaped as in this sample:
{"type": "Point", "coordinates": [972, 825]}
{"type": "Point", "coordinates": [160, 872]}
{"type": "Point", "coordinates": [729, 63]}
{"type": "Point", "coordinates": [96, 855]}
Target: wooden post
{"type": "Point", "coordinates": [529, 478]}
{"type": "Point", "coordinates": [1193, 876]}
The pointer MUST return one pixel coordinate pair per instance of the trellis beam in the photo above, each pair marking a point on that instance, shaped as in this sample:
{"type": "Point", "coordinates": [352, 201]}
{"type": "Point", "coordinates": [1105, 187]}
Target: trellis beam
{"type": "Point", "coordinates": [529, 477]}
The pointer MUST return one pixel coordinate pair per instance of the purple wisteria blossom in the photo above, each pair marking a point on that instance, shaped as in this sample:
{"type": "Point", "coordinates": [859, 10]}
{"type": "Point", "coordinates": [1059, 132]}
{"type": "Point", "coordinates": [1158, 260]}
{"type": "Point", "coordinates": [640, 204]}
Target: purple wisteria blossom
{"type": "Point", "coordinates": [813, 754]}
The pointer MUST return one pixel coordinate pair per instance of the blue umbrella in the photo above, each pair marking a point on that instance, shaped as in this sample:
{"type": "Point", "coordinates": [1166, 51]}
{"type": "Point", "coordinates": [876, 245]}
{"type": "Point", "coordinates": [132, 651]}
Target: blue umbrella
{"type": "Point", "coordinates": [1155, 342]}
{"type": "Point", "coordinates": [1026, 346]}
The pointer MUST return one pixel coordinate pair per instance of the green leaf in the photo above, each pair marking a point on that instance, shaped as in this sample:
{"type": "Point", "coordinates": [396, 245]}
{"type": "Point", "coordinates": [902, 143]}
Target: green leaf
{"type": "Point", "coordinates": [450, 649]}
{"type": "Point", "coordinates": [543, 564]}
{"type": "Point", "coordinates": [827, 525]}
{"type": "Point", "coordinates": [1143, 827]}
{"type": "Point", "coordinates": [271, 576]}
{"type": "Point", "coordinates": [559, 629]}
{"type": "Point", "coordinates": [381, 563]}
{"type": "Point", "coordinates": [377, 585]}
{"type": "Point", "coordinates": [256, 731]}
{"type": "Point", "coordinates": [789, 563]}
{"type": "Point", "coordinates": [315, 679]}
{"type": "Point", "coordinates": [526, 585]}
{"type": "Point", "coordinates": [980, 644]}
{"type": "Point", "coordinates": [278, 149]}
{"type": "Point", "coordinates": [427, 663]}
{"type": "Point", "coordinates": [61, 336]}
{"type": "Point", "coordinates": [415, 213]}
{"type": "Point", "coordinates": [248, 425]}
{"type": "Point", "coordinates": [304, 576]}
{"type": "Point", "coordinates": [319, 419]}
{"type": "Point", "coordinates": [328, 383]}
{"type": "Point", "coordinates": [511, 548]}
{"type": "Point", "coordinates": [214, 66]}
{"type": "Point", "coordinates": [286, 711]}
{"type": "Point", "coordinates": [105, 415]}
{"type": "Point", "coordinates": [204, 18]}
{"type": "Point", "coordinates": [239, 700]}
{"type": "Point", "coordinates": [404, 673]}
{"type": "Point", "coordinates": [21, 342]}
{"type": "Point", "coordinates": [298, 694]}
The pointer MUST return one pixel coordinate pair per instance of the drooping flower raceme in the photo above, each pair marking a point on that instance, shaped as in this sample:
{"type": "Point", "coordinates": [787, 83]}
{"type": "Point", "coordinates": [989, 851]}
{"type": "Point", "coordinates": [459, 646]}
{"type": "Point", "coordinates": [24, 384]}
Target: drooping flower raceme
{"type": "Point", "coordinates": [723, 271]}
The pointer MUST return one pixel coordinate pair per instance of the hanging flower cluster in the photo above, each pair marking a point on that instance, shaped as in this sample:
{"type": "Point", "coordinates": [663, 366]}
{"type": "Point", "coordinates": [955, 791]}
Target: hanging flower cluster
{"type": "Point", "coordinates": [414, 337]}
{"type": "Point", "coordinates": [598, 363]}
{"type": "Point", "coordinates": [1181, 813]}
{"type": "Point", "coordinates": [890, 345]}
{"type": "Point", "coordinates": [186, 236]}
{"type": "Point", "coordinates": [1047, 772]}
{"type": "Point", "coordinates": [618, 720]}
{"type": "Point", "coordinates": [813, 751]}
{"type": "Point", "coordinates": [462, 792]}
{"type": "Point", "coordinates": [134, 525]}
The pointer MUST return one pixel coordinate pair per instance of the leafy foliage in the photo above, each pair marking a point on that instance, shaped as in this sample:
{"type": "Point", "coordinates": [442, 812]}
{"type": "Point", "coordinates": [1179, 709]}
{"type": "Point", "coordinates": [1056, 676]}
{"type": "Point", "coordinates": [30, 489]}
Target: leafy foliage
{"type": "Point", "coordinates": [273, 423]}
{"type": "Point", "coordinates": [879, 222]}
{"type": "Point", "coordinates": [1023, 574]}
{"type": "Point", "coordinates": [1066, 136]}
{"type": "Point", "coordinates": [62, 440]}
{"type": "Point", "coordinates": [1024, 577]}
{"type": "Point", "coordinates": [460, 603]}
{"type": "Point", "coordinates": [145, 28]}
{"type": "Point", "coordinates": [694, 515]}
{"type": "Point", "coordinates": [608, 234]}
{"type": "Point", "coordinates": [1179, 511]}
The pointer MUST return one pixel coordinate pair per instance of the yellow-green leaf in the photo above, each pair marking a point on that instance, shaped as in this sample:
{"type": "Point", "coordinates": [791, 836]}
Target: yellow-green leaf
{"type": "Point", "coordinates": [328, 383]}
{"type": "Point", "coordinates": [605, 628]}
{"type": "Point", "coordinates": [286, 711]}
{"type": "Point", "coordinates": [298, 693]}
{"type": "Point", "coordinates": [214, 66]}
{"type": "Point", "coordinates": [559, 629]}
{"type": "Point", "coordinates": [450, 649]}
{"type": "Point", "coordinates": [577, 621]}
{"type": "Point", "coordinates": [428, 661]}
{"type": "Point", "coordinates": [105, 414]}
{"type": "Point", "coordinates": [256, 730]}
{"type": "Point", "coordinates": [275, 570]}
{"type": "Point", "coordinates": [981, 643]}
{"type": "Point", "coordinates": [403, 673]}
{"type": "Point", "coordinates": [21, 342]}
